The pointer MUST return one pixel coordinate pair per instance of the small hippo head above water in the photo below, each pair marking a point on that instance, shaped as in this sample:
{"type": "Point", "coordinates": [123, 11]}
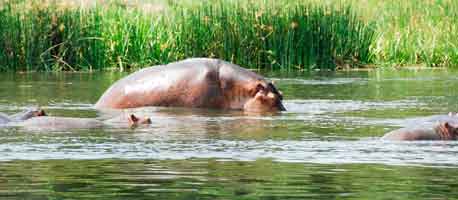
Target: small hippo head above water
{"type": "Point", "coordinates": [440, 131]}
{"type": "Point", "coordinates": [135, 121]}
{"type": "Point", "coordinates": [31, 113]}
{"type": "Point", "coordinates": [21, 116]}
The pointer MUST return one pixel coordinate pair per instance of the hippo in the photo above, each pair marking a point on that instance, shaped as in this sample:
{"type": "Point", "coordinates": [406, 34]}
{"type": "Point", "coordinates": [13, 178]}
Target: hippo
{"type": "Point", "coordinates": [27, 114]}
{"type": "Point", "coordinates": [195, 82]}
{"type": "Point", "coordinates": [450, 117]}
{"type": "Point", "coordinates": [21, 116]}
{"type": "Point", "coordinates": [440, 131]}
{"type": "Point", "coordinates": [67, 123]}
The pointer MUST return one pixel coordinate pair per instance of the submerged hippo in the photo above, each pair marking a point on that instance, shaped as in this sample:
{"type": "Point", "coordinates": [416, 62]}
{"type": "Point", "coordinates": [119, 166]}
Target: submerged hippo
{"type": "Point", "coordinates": [450, 118]}
{"type": "Point", "coordinates": [27, 114]}
{"type": "Point", "coordinates": [433, 119]}
{"type": "Point", "coordinates": [21, 116]}
{"type": "Point", "coordinates": [196, 82]}
{"type": "Point", "coordinates": [440, 131]}
{"type": "Point", "coordinates": [66, 123]}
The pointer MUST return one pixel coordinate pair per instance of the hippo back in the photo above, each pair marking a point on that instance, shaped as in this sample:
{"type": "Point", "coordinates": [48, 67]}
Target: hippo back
{"type": "Point", "coordinates": [197, 82]}
{"type": "Point", "coordinates": [410, 134]}
{"type": "Point", "coordinates": [443, 118]}
{"type": "Point", "coordinates": [431, 120]}
{"type": "Point", "coordinates": [59, 123]}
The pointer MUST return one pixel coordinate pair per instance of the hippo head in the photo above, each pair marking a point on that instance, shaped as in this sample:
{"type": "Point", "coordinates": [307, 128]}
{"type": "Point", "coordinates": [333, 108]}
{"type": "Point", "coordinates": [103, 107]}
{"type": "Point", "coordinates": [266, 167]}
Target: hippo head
{"type": "Point", "coordinates": [30, 113]}
{"type": "Point", "coordinates": [38, 113]}
{"type": "Point", "coordinates": [135, 121]}
{"type": "Point", "coordinates": [448, 131]}
{"type": "Point", "coordinates": [264, 98]}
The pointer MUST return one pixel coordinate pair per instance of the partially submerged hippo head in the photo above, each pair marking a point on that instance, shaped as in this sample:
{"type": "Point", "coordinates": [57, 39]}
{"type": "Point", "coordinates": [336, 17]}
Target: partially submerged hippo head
{"type": "Point", "coordinates": [24, 115]}
{"type": "Point", "coordinates": [34, 113]}
{"type": "Point", "coordinates": [265, 98]}
{"type": "Point", "coordinates": [27, 114]}
{"type": "Point", "coordinates": [439, 131]}
{"type": "Point", "coordinates": [135, 121]}
{"type": "Point", "coordinates": [447, 131]}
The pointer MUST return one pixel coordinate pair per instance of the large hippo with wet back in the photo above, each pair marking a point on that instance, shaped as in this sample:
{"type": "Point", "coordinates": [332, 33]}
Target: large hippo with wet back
{"type": "Point", "coordinates": [196, 82]}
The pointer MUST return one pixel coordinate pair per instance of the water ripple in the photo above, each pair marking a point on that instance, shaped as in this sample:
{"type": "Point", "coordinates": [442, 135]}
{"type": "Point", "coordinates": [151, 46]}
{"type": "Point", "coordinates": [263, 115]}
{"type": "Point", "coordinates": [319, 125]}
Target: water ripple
{"type": "Point", "coordinates": [322, 152]}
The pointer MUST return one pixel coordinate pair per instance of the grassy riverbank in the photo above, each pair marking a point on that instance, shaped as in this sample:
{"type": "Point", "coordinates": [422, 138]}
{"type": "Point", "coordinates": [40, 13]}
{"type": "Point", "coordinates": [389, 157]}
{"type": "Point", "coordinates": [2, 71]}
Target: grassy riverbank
{"type": "Point", "coordinates": [413, 32]}
{"type": "Point", "coordinates": [38, 35]}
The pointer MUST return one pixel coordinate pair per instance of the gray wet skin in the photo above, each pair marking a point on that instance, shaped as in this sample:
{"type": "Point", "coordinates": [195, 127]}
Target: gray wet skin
{"type": "Point", "coordinates": [450, 117]}
{"type": "Point", "coordinates": [68, 123]}
{"type": "Point", "coordinates": [21, 116]}
{"type": "Point", "coordinates": [439, 131]}
{"type": "Point", "coordinates": [27, 114]}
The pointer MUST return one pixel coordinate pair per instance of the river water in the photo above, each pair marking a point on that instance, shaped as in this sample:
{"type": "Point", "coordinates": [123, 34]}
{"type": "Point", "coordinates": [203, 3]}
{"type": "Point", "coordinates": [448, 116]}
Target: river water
{"type": "Point", "coordinates": [325, 146]}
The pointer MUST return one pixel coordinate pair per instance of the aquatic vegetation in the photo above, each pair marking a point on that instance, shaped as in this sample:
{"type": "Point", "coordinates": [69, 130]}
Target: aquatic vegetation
{"type": "Point", "coordinates": [416, 32]}
{"type": "Point", "coordinates": [295, 37]}
{"type": "Point", "coordinates": [287, 36]}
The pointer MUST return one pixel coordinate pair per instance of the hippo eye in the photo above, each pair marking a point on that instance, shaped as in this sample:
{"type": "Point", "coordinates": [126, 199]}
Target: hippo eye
{"type": "Point", "coordinates": [274, 90]}
{"type": "Point", "coordinates": [259, 87]}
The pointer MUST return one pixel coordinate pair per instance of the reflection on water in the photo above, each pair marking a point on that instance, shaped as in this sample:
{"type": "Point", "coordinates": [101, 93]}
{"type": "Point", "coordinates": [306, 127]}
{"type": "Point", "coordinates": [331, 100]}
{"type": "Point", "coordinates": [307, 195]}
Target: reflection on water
{"type": "Point", "coordinates": [212, 179]}
{"type": "Point", "coordinates": [324, 146]}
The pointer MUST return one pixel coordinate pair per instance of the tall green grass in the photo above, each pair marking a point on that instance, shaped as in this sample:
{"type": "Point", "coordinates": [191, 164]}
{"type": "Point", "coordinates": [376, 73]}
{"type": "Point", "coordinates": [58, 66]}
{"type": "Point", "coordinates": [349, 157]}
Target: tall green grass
{"type": "Point", "coordinates": [255, 34]}
{"type": "Point", "coordinates": [51, 38]}
{"type": "Point", "coordinates": [296, 37]}
{"type": "Point", "coordinates": [417, 32]}
{"type": "Point", "coordinates": [411, 32]}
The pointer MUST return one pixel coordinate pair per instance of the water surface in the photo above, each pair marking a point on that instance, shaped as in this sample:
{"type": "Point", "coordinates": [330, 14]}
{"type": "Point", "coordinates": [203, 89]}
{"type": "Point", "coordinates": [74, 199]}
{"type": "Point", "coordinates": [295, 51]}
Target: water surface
{"type": "Point", "coordinates": [325, 146]}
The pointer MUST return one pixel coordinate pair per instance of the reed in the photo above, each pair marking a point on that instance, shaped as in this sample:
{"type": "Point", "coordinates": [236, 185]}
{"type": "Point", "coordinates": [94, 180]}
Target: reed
{"type": "Point", "coordinates": [265, 35]}
{"type": "Point", "coordinates": [415, 32]}
{"type": "Point", "coordinates": [296, 37]}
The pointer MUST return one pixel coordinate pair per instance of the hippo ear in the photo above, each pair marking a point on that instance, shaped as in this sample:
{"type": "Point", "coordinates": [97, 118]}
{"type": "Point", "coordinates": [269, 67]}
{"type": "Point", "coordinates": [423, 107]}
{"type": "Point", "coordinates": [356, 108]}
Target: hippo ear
{"type": "Point", "coordinates": [132, 119]}
{"type": "Point", "coordinates": [41, 112]}
{"type": "Point", "coordinates": [448, 125]}
{"type": "Point", "coordinates": [255, 90]}
{"type": "Point", "coordinates": [259, 87]}
{"type": "Point", "coordinates": [276, 91]}
{"type": "Point", "coordinates": [451, 127]}
{"type": "Point", "coordinates": [146, 120]}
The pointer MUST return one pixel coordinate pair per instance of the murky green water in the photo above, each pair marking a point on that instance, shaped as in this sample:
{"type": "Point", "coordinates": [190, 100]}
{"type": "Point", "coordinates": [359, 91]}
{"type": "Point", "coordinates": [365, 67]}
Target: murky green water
{"type": "Point", "coordinates": [324, 147]}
